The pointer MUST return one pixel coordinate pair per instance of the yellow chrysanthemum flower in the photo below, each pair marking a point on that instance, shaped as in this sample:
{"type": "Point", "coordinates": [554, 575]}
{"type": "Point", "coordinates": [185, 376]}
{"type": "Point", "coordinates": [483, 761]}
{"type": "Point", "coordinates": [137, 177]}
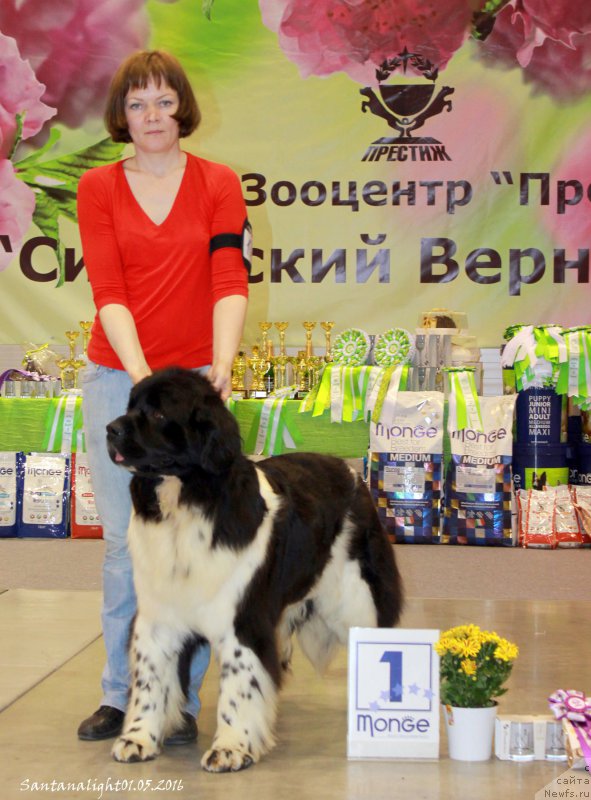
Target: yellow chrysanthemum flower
{"type": "Point", "coordinates": [506, 651]}
{"type": "Point", "coordinates": [469, 666]}
{"type": "Point", "coordinates": [470, 648]}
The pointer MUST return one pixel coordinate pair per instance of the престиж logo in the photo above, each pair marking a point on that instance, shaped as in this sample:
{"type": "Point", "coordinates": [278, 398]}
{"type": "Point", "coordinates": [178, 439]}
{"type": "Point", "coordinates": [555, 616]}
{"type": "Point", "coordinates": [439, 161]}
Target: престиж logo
{"type": "Point", "coordinates": [406, 107]}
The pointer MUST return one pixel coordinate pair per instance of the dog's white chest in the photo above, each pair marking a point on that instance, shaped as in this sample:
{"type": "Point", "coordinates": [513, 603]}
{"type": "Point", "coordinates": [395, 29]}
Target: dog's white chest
{"type": "Point", "coordinates": [179, 573]}
{"type": "Point", "coordinates": [165, 552]}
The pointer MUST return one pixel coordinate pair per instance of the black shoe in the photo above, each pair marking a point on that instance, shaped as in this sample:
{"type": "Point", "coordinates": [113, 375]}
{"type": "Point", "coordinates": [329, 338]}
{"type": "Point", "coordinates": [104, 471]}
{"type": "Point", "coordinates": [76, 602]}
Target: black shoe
{"type": "Point", "coordinates": [103, 724]}
{"type": "Point", "coordinates": [186, 734]}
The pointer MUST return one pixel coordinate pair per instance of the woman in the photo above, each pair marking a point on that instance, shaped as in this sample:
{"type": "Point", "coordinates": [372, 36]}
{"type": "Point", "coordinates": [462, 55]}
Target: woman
{"type": "Point", "coordinates": [162, 236]}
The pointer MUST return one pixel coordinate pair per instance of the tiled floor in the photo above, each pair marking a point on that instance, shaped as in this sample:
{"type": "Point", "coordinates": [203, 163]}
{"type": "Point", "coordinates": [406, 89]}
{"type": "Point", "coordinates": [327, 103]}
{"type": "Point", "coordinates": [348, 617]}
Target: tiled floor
{"type": "Point", "coordinates": [41, 632]}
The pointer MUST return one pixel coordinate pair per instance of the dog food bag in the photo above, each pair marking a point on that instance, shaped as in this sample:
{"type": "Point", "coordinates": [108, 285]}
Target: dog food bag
{"type": "Point", "coordinates": [84, 518]}
{"type": "Point", "coordinates": [477, 503]}
{"type": "Point", "coordinates": [582, 502]}
{"type": "Point", "coordinates": [9, 494]}
{"type": "Point", "coordinates": [405, 461]}
{"type": "Point", "coordinates": [45, 485]}
{"type": "Point", "coordinates": [536, 519]}
{"type": "Point", "coordinates": [566, 523]}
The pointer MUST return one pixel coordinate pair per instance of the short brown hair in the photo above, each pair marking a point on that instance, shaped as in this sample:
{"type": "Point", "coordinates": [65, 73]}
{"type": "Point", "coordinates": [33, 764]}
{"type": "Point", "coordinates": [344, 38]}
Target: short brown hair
{"type": "Point", "coordinates": [135, 73]}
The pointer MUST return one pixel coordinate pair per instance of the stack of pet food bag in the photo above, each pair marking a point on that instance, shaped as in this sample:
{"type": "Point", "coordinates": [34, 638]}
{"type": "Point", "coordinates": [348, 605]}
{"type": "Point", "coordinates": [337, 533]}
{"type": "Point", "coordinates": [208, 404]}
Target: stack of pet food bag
{"type": "Point", "coordinates": [549, 367]}
{"type": "Point", "coordinates": [408, 468]}
{"type": "Point", "coordinates": [497, 467]}
{"type": "Point", "coordinates": [49, 494]}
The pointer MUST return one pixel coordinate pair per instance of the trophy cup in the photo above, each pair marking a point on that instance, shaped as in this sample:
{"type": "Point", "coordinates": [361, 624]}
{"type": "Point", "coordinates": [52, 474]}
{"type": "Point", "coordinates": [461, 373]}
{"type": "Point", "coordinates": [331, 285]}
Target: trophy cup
{"type": "Point", "coordinates": [238, 373]}
{"type": "Point", "coordinates": [67, 373]}
{"type": "Point", "coordinates": [265, 328]}
{"type": "Point", "coordinates": [77, 364]}
{"type": "Point", "coordinates": [301, 367]}
{"type": "Point", "coordinates": [282, 360]}
{"type": "Point", "coordinates": [282, 327]}
{"type": "Point", "coordinates": [72, 337]}
{"type": "Point", "coordinates": [86, 326]}
{"type": "Point", "coordinates": [258, 366]}
{"type": "Point", "coordinates": [309, 327]}
{"type": "Point", "coordinates": [269, 377]}
{"type": "Point", "coordinates": [327, 328]}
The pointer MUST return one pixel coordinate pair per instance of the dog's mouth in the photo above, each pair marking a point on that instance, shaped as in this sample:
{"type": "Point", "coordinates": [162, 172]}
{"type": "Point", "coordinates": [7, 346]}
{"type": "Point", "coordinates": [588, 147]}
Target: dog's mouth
{"type": "Point", "coordinates": [117, 457]}
{"type": "Point", "coordinates": [142, 465]}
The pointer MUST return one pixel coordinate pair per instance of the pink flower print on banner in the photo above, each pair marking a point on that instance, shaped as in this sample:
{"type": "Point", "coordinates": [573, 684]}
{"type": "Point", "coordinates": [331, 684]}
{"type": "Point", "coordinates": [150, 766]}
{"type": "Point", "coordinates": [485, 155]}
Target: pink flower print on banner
{"type": "Point", "coordinates": [20, 93]}
{"type": "Point", "coordinates": [17, 203]}
{"type": "Point", "coordinates": [356, 36]}
{"type": "Point", "coordinates": [75, 46]}
{"type": "Point", "coordinates": [571, 231]}
{"type": "Point", "coordinates": [549, 39]}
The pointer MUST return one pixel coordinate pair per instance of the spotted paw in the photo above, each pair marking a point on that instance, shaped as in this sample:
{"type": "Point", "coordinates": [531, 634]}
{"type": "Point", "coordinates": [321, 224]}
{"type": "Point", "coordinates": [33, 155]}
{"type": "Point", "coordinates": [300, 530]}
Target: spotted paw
{"type": "Point", "coordinates": [223, 759]}
{"type": "Point", "coordinates": [134, 747]}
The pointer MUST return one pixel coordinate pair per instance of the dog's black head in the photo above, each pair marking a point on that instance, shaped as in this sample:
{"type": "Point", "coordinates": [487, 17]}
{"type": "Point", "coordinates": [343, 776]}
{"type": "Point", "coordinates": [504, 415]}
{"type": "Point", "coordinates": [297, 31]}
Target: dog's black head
{"type": "Point", "coordinates": [176, 422]}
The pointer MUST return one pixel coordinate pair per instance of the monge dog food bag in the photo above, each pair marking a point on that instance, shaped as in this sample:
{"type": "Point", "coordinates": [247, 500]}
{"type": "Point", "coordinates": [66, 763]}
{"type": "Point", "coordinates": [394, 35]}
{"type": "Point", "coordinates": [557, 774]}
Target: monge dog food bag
{"type": "Point", "coordinates": [406, 454]}
{"type": "Point", "coordinates": [45, 485]}
{"type": "Point", "coordinates": [85, 522]}
{"type": "Point", "coordinates": [477, 504]}
{"type": "Point", "coordinates": [9, 494]}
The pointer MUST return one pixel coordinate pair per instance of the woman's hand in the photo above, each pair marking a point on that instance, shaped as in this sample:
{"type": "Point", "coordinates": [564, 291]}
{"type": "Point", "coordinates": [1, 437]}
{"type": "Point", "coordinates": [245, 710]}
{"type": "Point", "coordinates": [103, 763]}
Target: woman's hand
{"type": "Point", "coordinates": [228, 323]}
{"type": "Point", "coordinates": [220, 377]}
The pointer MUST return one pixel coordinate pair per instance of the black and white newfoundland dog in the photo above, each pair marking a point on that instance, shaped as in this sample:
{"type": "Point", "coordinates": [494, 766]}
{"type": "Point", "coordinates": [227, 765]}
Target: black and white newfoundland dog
{"type": "Point", "coordinates": [240, 554]}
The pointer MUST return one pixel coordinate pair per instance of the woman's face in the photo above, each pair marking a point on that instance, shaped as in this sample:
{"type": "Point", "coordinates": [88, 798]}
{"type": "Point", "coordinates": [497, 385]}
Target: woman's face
{"type": "Point", "coordinates": [149, 117]}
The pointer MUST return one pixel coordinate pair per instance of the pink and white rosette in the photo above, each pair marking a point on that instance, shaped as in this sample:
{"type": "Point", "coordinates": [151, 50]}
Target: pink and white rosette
{"type": "Point", "coordinates": [574, 706]}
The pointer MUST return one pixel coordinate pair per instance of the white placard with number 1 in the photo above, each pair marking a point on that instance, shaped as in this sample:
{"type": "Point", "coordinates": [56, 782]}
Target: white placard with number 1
{"type": "Point", "coordinates": [393, 693]}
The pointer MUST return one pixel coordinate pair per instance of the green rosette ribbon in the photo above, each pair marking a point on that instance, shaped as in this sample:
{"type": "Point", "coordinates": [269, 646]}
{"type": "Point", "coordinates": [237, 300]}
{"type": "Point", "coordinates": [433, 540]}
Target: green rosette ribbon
{"type": "Point", "coordinates": [463, 401]}
{"type": "Point", "coordinates": [394, 346]}
{"type": "Point", "coordinates": [351, 348]}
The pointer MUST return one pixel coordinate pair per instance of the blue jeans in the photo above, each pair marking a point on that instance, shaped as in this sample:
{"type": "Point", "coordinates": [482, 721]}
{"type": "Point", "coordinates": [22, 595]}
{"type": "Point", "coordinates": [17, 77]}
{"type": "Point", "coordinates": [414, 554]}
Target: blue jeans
{"type": "Point", "coordinates": [106, 392]}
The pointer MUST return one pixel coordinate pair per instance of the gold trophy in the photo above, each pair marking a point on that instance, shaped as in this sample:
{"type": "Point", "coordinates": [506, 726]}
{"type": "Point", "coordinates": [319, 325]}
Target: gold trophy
{"type": "Point", "coordinates": [282, 327]}
{"type": "Point", "coordinates": [302, 374]}
{"type": "Point", "coordinates": [309, 327]}
{"type": "Point", "coordinates": [238, 373]}
{"type": "Point", "coordinates": [67, 373]}
{"type": "Point", "coordinates": [77, 364]}
{"type": "Point", "coordinates": [86, 326]}
{"type": "Point", "coordinates": [258, 366]}
{"type": "Point", "coordinates": [265, 328]}
{"type": "Point", "coordinates": [72, 337]}
{"type": "Point", "coordinates": [281, 362]}
{"type": "Point", "coordinates": [327, 327]}
{"type": "Point", "coordinates": [315, 366]}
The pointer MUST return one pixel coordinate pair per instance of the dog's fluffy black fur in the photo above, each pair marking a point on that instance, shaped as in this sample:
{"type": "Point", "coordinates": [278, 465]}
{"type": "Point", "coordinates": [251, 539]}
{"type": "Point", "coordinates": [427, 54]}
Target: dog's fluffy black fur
{"type": "Point", "coordinates": [240, 554]}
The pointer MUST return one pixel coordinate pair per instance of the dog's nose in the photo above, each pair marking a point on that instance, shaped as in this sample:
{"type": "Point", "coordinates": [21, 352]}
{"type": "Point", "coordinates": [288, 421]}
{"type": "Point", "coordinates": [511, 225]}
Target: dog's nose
{"type": "Point", "coordinates": [115, 428]}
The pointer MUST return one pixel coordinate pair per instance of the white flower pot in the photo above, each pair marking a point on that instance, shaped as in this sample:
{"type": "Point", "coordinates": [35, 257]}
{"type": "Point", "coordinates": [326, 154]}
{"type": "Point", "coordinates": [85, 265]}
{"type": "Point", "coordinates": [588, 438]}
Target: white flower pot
{"type": "Point", "coordinates": [470, 732]}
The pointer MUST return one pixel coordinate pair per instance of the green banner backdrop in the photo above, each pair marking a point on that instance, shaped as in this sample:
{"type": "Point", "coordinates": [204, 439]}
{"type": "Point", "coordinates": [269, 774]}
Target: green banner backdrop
{"type": "Point", "coordinates": [372, 197]}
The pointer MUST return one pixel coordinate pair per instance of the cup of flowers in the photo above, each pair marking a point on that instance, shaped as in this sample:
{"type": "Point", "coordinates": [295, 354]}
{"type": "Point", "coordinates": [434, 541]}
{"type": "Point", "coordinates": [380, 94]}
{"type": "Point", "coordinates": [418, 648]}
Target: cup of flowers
{"type": "Point", "coordinates": [474, 666]}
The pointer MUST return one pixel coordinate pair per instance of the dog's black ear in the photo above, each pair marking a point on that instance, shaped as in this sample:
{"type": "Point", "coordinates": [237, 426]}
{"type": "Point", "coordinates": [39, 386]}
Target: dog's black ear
{"type": "Point", "coordinates": [221, 444]}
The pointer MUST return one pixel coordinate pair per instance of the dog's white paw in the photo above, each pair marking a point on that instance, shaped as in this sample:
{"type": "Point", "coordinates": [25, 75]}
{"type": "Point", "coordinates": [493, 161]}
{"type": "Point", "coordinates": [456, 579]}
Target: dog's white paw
{"type": "Point", "coordinates": [225, 759]}
{"type": "Point", "coordinates": [131, 747]}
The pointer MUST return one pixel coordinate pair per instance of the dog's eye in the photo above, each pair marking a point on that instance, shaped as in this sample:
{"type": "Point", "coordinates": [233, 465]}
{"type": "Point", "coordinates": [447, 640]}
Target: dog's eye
{"type": "Point", "coordinates": [157, 415]}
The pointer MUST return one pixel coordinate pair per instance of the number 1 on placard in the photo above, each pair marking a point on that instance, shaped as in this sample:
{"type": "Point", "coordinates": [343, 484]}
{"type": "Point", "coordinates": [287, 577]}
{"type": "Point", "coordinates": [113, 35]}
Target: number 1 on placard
{"type": "Point", "coordinates": [394, 658]}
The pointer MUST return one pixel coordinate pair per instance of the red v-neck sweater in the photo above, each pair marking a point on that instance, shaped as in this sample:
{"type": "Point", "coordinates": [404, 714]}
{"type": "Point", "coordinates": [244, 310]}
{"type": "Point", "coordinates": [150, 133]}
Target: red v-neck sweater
{"type": "Point", "coordinates": [164, 274]}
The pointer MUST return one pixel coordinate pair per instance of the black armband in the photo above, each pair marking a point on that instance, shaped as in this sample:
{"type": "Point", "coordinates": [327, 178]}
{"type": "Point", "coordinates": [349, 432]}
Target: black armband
{"type": "Point", "coordinates": [241, 241]}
